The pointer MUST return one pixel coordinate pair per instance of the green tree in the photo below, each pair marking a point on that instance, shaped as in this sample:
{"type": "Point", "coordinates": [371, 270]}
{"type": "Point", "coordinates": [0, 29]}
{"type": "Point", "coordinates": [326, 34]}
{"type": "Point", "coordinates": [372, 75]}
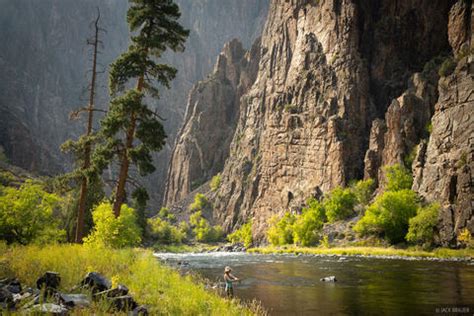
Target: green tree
{"type": "Point", "coordinates": [422, 227]}
{"type": "Point", "coordinates": [164, 232]}
{"type": "Point", "coordinates": [280, 230]}
{"type": "Point", "coordinates": [242, 235]}
{"type": "Point", "coordinates": [203, 231]}
{"type": "Point", "coordinates": [114, 232]}
{"type": "Point", "coordinates": [389, 215]}
{"type": "Point", "coordinates": [363, 191]}
{"type": "Point", "coordinates": [309, 224]}
{"type": "Point", "coordinates": [27, 215]}
{"type": "Point", "coordinates": [339, 204]}
{"type": "Point", "coordinates": [131, 129]}
{"type": "Point", "coordinates": [398, 178]}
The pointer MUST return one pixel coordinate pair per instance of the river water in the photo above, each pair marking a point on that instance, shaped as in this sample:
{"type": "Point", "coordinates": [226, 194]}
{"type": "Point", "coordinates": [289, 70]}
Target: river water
{"type": "Point", "coordinates": [290, 285]}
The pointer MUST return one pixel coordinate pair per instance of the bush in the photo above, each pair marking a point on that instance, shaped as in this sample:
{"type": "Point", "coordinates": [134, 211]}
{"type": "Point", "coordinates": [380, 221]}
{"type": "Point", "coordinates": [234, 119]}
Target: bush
{"type": "Point", "coordinates": [447, 67]}
{"type": "Point", "coordinates": [308, 225]}
{"type": "Point", "coordinates": [113, 232]}
{"type": "Point", "coordinates": [280, 231]}
{"type": "Point", "coordinates": [216, 182]}
{"type": "Point", "coordinates": [165, 214]}
{"type": "Point", "coordinates": [200, 203]}
{"type": "Point", "coordinates": [398, 178]}
{"type": "Point", "coordinates": [26, 215]}
{"type": "Point", "coordinates": [422, 226]}
{"type": "Point", "coordinates": [339, 204]}
{"type": "Point", "coordinates": [363, 191]}
{"type": "Point", "coordinates": [465, 238]}
{"type": "Point", "coordinates": [203, 231]}
{"type": "Point", "coordinates": [242, 235]}
{"type": "Point", "coordinates": [389, 215]}
{"type": "Point", "coordinates": [163, 232]}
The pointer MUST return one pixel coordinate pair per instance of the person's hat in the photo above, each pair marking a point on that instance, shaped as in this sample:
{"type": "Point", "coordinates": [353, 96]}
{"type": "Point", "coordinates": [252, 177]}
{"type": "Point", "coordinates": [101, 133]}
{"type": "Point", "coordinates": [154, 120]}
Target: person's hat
{"type": "Point", "coordinates": [227, 269]}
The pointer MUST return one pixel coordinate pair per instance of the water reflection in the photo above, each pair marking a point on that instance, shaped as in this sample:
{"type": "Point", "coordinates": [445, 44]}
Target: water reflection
{"type": "Point", "coordinates": [289, 285]}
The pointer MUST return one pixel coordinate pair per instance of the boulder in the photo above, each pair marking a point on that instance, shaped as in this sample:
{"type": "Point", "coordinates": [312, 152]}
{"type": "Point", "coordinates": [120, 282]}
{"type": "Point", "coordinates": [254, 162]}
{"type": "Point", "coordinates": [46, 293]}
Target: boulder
{"type": "Point", "coordinates": [49, 309]}
{"type": "Point", "coordinates": [140, 311]}
{"type": "Point", "coordinates": [123, 303]}
{"type": "Point", "coordinates": [96, 282]}
{"type": "Point", "coordinates": [50, 282]}
{"type": "Point", "coordinates": [120, 290]}
{"type": "Point", "coordinates": [6, 299]}
{"type": "Point", "coordinates": [73, 300]}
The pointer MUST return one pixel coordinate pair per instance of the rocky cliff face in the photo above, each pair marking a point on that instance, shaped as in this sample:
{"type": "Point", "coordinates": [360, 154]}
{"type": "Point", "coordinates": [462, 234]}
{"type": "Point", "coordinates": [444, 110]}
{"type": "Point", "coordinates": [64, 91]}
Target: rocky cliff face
{"type": "Point", "coordinates": [445, 164]}
{"type": "Point", "coordinates": [343, 88]}
{"type": "Point", "coordinates": [43, 70]}
{"type": "Point", "coordinates": [203, 145]}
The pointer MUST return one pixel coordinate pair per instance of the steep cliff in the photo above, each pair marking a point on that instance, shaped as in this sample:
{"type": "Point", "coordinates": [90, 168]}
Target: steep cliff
{"type": "Point", "coordinates": [445, 164]}
{"type": "Point", "coordinates": [43, 70]}
{"type": "Point", "coordinates": [203, 144]}
{"type": "Point", "coordinates": [343, 88]}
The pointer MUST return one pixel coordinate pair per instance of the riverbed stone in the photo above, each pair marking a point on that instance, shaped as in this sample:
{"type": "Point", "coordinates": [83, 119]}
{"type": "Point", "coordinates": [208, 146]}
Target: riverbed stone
{"type": "Point", "coordinates": [96, 282]}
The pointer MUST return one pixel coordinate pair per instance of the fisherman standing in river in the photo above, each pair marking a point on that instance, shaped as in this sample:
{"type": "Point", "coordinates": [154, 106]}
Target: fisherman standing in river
{"type": "Point", "coordinates": [229, 279]}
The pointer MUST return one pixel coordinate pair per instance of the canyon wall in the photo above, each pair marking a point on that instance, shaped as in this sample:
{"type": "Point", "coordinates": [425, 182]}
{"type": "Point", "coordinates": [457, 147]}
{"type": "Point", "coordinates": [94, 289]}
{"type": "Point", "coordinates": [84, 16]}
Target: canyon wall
{"type": "Point", "coordinates": [343, 88]}
{"type": "Point", "coordinates": [45, 59]}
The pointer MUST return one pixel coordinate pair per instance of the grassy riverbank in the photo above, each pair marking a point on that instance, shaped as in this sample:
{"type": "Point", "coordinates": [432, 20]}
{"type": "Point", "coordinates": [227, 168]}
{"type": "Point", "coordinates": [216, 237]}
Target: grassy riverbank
{"type": "Point", "coordinates": [162, 289]}
{"type": "Point", "coordinates": [368, 251]}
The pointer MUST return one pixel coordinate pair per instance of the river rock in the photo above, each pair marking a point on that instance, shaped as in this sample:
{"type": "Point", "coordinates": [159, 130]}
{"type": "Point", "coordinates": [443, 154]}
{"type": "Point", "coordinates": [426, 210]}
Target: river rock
{"type": "Point", "coordinates": [50, 282]}
{"type": "Point", "coordinates": [123, 303]}
{"type": "Point", "coordinates": [73, 300]}
{"type": "Point", "coordinates": [96, 281]}
{"type": "Point", "coordinates": [331, 278]}
{"type": "Point", "coordinates": [49, 309]}
{"type": "Point", "coordinates": [6, 299]}
{"type": "Point", "coordinates": [140, 311]}
{"type": "Point", "coordinates": [120, 290]}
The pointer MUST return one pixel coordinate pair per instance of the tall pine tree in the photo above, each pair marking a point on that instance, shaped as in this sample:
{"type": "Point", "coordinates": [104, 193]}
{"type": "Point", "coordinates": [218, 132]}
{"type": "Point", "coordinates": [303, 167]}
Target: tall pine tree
{"type": "Point", "coordinates": [132, 130]}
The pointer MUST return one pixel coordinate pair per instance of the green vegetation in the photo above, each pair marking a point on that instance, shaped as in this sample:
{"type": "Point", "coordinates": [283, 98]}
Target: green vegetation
{"type": "Point", "coordinates": [290, 108]}
{"type": "Point", "coordinates": [114, 232]}
{"type": "Point", "coordinates": [397, 178]}
{"type": "Point", "coordinates": [280, 230]}
{"type": "Point", "coordinates": [242, 235]}
{"type": "Point", "coordinates": [369, 251]}
{"type": "Point", "coordinates": [429, 127]}
{"type": "Point", "coordinates": [447, 67]}
{"type": "Point", "coordinates": [304, 228]}
{"type": "Point", "coordinates": [164, 233]}
{"type": "Point", "coordinates": [162, 289]}
{"type": "Point", "coordinates": [397, 214]}
{"type": "Point", "coordinates": [131, 130]}
{"type": "Point", "coordinates": [216, 182]}
{"type": "Point", "coordinates": [388, 216]}
{"type": "Point", "coordinates": [203, 231]}
{"type": "Point", "coordinates": [339, 204]}
{"type": "Point", "coordinates": [465, 239]}
{"type": "Point", "coordinates": [422, 226]}
{"type": "Point", "coordinates": [3, 157]}
{"type": "Point", "coordinates": [410, 157]}
{"type": "Point", "coordinates": [363, 191]}
{"type": "Point", "coordinates": [27, 215]}
{"type": "Point", "coordinates": [307, 226]}
{"type": "Point", "coordinates": [200, 203]}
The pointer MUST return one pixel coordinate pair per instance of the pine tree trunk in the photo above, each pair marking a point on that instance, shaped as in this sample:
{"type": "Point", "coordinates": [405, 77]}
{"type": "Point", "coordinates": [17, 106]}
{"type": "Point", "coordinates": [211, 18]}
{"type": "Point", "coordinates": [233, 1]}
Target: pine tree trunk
{"type": "Point", "coordinates": [125, 163]}
{"type": "Point", "coordinates": [87, 150]}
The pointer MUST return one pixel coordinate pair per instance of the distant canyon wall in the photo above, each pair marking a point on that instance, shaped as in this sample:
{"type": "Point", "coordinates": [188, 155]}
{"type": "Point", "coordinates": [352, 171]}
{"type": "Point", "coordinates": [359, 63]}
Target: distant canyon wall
{"type": "Point", "coordinates": [45, 59]}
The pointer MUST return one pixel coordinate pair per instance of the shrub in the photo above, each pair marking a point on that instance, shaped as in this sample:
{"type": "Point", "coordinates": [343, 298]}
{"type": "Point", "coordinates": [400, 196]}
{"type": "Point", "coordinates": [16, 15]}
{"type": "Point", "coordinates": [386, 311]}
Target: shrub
{"type": "Point", "coordinates": [422, 226]}
{"type": "Point", "coordinates": [111, 231]}
{"type": "Point", "coordinates": [398, 178]}
{"type": "Point", "coordinates": [164, 233]}
{"type": "Point", "coordinates": [447, 67]}
{"type": "Point", "coordinates": [339, 204]}
{"type": "Point", "coordinates": [243, 235]}
{"type": "Point", "coordinates": [165, 214]}
{"type": "Point", "coordinates": [200, 203]}
{"type": "Point", "coordinates": [26, 215]}
{"type": "Point", "coordinates": [280, 231]}
{"type": "Point", "coordinates": [363, 191]}
{"type": "Point", "coordinates": [216, 182]}
{"type": "Point", "coordinates": [389, 215]}
{"type": "Point", "coordinates": [203, 231]}
{"type": "Point", "coordinates": [465, 238]}
{"type": "Point", "coordinates": [308, 225]}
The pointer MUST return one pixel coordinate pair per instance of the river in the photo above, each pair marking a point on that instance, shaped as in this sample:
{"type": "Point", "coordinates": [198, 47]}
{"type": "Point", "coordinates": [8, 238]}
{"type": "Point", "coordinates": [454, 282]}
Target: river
{"type": "Point", "coordinates": [290, 285]}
